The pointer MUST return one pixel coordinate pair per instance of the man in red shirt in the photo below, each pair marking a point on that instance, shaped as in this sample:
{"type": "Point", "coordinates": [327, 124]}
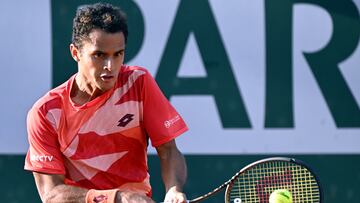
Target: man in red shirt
{"type": "Point", "coordinates": [88, 137]}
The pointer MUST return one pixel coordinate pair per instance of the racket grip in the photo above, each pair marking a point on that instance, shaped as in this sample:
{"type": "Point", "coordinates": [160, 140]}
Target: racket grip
{"type": "Point", "coordinates": [187, 201]}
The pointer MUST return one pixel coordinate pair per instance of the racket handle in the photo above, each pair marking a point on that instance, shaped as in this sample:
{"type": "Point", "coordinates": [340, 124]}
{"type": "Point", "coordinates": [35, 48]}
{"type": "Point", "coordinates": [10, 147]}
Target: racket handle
{"type": "Point", "coordinates": [187, 201]}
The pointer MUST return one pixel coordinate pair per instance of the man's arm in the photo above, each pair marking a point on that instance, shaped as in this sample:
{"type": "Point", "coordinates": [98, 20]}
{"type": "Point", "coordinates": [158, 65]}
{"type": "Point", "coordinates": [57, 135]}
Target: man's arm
{"type": "Point", "coordinates": [173, 171]}
{"type": "Point", "coordinates": [52, 189]}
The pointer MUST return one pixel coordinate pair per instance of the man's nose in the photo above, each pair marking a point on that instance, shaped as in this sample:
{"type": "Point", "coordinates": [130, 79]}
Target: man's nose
{"type": "Point", "coordinates": [109, 63]}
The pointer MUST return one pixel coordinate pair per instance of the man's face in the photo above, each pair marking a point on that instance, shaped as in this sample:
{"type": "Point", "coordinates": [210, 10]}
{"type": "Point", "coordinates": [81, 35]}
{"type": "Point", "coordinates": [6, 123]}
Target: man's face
{"type": "Point", "coordinates": [100, 59]}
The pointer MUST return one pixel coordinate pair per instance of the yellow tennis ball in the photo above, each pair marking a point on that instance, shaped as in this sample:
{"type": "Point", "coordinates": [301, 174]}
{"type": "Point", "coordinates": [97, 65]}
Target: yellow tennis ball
{"type": "Point", "coordinates": [280, 196]}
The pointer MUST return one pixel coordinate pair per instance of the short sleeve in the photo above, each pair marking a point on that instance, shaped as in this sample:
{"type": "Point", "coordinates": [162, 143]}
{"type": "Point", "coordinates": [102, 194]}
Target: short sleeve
{"type": "Point", "coordinates": [44, 153]}
{"type": "Point", "coordinates": [162, 122]}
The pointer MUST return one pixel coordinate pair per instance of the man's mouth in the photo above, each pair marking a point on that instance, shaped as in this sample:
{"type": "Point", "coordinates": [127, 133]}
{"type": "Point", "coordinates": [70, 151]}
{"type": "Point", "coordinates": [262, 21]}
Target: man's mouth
{"type": "Point", "coordinates": [106, 77]}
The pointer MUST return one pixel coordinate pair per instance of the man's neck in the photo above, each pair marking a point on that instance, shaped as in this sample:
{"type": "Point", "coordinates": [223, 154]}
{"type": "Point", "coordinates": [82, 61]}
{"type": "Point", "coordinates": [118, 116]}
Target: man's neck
{"type": "Point", "coordinates": [82, 91]}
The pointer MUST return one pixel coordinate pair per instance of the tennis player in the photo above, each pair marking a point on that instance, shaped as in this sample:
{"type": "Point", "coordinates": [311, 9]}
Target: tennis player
{"type": "Point", "coordinates": [88, 137]}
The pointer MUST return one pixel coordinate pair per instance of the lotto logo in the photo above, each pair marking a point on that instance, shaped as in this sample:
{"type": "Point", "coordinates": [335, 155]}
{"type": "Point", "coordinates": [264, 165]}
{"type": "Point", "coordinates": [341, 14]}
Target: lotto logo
{"type": "Point", "coordinates": [100, 198]}
{"type": "Point", "coordinates": [125, 120]}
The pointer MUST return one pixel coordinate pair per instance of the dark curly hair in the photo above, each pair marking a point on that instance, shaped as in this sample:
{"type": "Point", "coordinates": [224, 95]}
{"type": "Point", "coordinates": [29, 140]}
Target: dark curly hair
{"type": "Point", "coordinates": [103, 16]}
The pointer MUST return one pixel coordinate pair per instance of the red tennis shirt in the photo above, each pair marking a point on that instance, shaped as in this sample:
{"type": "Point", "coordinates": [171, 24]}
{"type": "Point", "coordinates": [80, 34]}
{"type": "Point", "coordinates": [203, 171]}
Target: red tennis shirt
{"type": "Point", "coordinates": [103, 143]}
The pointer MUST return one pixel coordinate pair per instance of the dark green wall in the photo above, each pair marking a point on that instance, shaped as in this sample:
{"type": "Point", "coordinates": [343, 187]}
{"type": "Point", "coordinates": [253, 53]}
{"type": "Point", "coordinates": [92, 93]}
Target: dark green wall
{"type": "Point", "coordinates": [339, 176]}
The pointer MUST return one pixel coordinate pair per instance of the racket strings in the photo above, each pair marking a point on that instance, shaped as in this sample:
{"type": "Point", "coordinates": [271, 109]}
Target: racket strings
{"type": "Point", "coordinates": [257, 183]}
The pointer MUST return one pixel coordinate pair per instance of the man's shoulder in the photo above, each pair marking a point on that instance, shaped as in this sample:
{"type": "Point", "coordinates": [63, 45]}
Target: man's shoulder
{"type": "Point", "coordinates": [132, 69]}
{"type": "Point", "coordinates": [130, 74]}
{"type": "Point", "coordinates": [52, 99]}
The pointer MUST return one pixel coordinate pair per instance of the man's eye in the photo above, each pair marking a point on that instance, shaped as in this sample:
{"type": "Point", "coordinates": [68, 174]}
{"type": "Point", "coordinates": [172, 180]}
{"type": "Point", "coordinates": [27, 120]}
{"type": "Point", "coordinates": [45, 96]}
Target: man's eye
{"type": "Point", "coordinates": [120, 53]}
{"type": "Point", "coordinates": [97, 55]}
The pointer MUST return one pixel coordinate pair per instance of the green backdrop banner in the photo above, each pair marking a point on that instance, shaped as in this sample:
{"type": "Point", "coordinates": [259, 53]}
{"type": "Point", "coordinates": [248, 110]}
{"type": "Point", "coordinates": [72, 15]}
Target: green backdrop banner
{"type": "Point", "coordinates": [264, 78]}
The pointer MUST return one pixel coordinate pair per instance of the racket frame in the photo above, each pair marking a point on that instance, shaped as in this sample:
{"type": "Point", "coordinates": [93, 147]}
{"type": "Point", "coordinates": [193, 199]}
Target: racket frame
{"type": "Point", "coordinates": [230, 182]}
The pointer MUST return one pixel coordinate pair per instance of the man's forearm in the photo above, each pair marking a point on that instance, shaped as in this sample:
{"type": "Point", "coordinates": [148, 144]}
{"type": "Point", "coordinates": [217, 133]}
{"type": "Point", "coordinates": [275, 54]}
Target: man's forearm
{"type": "Point", "coordinates": [65, 194]}
{"type": "Point", "coordinates": [174, 171]}
{"type": "Point", "coordinates": [71, 194]}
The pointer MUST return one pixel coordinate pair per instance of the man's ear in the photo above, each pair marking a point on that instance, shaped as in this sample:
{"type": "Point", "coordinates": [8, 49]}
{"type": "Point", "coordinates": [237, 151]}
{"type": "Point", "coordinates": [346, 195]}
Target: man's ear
{"type": "Point", "coordinates": [75, 52]}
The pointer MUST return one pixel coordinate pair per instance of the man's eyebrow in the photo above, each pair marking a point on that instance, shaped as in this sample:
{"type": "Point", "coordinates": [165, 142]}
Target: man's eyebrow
{"type": "Point", "coordinates": [98, 51]}
{"type": "Point", "coordinates": [120, 50]}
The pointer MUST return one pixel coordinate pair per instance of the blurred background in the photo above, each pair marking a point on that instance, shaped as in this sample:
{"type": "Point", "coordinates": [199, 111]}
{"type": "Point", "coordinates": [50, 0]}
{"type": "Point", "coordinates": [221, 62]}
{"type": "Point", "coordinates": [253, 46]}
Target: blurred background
{"type": "Point", "coordinates": [252, 79]}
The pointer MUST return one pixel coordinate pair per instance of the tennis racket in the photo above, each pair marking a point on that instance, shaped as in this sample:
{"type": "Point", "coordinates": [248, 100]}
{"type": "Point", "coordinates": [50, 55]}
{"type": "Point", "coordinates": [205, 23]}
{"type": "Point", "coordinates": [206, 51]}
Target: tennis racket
{"type": "Point", "coordinates": [256, 181]}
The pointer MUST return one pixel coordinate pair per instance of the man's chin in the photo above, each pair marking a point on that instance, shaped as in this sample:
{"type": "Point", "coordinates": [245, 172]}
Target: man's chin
{"type": "Point", "coordinates": [106, 87]}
